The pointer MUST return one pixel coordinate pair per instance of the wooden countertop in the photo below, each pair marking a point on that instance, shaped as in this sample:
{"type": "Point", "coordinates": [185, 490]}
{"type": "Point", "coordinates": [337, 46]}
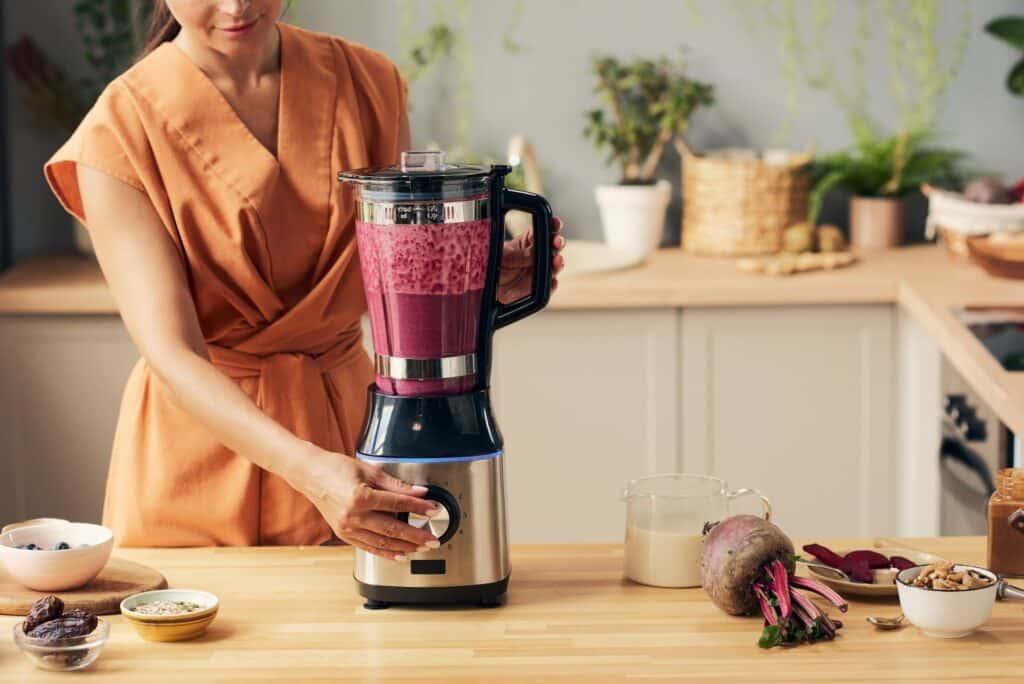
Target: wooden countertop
{"type": "Point", "coordinates": [291, 614]}
{"type": "Point", "coordinates": [921, 280]}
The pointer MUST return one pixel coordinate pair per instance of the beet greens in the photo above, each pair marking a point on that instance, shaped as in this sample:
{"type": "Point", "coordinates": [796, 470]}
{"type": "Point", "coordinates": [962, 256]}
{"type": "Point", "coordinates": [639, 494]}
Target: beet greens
{"type": "Point", "coordinates": [790, 617]}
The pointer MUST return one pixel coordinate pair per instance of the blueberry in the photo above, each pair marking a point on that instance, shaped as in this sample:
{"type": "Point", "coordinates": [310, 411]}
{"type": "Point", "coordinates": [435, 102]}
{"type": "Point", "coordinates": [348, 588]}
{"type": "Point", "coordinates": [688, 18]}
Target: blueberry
{"type": "Point", "coordinates": [63, 546]}
{"type": "Point", "coordinates": [29, 547]}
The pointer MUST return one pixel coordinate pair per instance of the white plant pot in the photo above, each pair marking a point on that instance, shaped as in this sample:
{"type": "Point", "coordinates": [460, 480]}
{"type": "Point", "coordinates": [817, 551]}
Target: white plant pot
{"type": "Point", "coordinates": [633, 216]}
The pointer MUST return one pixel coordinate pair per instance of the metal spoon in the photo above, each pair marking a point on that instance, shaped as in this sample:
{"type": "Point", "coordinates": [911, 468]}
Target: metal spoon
{"type": "Point", "coordinates": [823, 569]}
{"type": "Point", "coordinates": [886, 623]}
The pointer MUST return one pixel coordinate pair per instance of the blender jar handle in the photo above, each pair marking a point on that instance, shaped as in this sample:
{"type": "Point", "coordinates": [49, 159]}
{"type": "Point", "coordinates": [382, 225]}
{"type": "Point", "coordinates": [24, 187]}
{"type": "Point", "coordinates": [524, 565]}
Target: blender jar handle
{"type": "Point", "coordinates": [538, 298]}
{"type": "Point", "coordinates": [735, 494]}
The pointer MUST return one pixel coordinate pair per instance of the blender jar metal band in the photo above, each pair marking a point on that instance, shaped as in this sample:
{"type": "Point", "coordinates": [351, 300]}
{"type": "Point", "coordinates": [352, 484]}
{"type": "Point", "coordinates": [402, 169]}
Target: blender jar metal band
{"type": "Point", "coordinates": [387, 213]}
{"type": "Point", "coordinates": [398, 368]}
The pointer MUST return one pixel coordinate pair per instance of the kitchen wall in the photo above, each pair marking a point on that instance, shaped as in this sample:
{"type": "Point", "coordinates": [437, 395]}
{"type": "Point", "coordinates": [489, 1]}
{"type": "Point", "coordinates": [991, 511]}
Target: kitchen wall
{"type": "Point", "coordinates": [543, 90]}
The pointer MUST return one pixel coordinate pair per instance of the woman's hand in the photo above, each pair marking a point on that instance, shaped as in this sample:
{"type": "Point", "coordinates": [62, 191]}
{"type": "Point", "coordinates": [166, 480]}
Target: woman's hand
{"type": "Point", "coordinates": [516, 279]}
{"type": "Point", "coordinates": [359, 501]}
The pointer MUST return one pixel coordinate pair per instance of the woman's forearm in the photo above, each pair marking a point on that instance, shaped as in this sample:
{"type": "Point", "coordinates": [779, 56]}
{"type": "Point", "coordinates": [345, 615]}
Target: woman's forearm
{"type": "Point", "coordinates": [217, 401]}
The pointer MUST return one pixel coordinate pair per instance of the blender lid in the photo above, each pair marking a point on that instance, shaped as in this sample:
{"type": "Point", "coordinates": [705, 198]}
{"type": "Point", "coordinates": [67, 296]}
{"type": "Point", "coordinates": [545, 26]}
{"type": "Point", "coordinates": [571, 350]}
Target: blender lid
{"type": "Point", "coordinates": [415, 167]}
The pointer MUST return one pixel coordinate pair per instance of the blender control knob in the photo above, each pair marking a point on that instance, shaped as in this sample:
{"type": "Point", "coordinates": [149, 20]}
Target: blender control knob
{"type": "Point", "coordinates": [445, 522]}
{"type": "Point", "coordinates": [440, 522]}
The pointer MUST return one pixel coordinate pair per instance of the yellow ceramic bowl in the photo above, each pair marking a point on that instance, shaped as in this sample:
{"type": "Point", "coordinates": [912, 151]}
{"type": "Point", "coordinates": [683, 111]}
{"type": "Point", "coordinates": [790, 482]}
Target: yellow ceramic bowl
{"type": "Point", "coordinates": [171, 627]}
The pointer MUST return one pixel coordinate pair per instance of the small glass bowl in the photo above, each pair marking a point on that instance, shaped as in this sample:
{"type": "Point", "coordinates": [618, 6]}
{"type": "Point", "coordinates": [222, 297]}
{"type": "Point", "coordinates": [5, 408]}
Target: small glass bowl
{"type": "Point", "coordinates": [63, 655]}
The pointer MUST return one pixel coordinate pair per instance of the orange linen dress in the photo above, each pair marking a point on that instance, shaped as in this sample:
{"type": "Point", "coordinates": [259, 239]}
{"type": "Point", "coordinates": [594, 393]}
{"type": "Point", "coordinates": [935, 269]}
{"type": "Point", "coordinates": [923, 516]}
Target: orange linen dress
{"type": "Point", "coordinates": [269, 248]}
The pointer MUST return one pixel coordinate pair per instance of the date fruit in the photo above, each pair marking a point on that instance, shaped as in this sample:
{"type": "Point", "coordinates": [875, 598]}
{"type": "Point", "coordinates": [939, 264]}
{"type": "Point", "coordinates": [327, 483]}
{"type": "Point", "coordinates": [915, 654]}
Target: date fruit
{"type": "Point", "coordinates": [64, 628]}
{"type": "Point", "coordinates": [45, 609]}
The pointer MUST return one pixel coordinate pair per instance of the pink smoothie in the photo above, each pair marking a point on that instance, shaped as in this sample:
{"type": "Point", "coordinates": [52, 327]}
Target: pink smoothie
{"type": "Point", "coordinates": [424, 285]}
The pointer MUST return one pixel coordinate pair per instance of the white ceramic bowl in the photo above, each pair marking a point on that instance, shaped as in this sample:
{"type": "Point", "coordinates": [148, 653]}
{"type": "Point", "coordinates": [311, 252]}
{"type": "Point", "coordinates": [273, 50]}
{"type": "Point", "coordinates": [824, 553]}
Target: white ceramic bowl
{"type": "Point", "coordinates": [29, 523]}
{"type": "Point", "coordinates": [49, 570]}
{"type": "Point", "coordinates": [946, 614]}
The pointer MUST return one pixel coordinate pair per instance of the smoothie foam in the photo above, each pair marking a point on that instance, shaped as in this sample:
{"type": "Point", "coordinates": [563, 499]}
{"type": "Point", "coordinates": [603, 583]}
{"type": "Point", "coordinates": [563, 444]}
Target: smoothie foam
{"type": "Point", "coordinates": [424, 285]}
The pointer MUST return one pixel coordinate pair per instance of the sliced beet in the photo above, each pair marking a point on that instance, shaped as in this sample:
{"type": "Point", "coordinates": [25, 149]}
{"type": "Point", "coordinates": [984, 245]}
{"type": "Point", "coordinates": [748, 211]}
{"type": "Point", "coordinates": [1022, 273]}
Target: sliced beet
{"type": "Point", "coordinates": [875, 560]}
{"type": "Point", "coordinates": [825, 555]}
{"type": "Point", "coordinates": [901, 563]}
{"type": "Point", "coordinates": [858, 570]}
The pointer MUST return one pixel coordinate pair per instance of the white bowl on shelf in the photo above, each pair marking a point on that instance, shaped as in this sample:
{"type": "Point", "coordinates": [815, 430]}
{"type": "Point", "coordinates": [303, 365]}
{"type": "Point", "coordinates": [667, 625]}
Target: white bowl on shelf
{"type": "Point", "coordinates": [46, 569]}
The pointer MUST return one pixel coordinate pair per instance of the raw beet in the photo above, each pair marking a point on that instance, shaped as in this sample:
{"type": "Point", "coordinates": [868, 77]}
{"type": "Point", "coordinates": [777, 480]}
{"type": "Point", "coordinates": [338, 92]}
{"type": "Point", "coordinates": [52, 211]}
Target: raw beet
{"type": "Point", "coordinates": [825, 555]}
{"type": "Point", "coordinates": [901, 563]}
{"type": "Point", "coordinates": [734, 556]}
{"type": "Point", "coordinates": [875, 560]}
{"type": "Point", "coordinates": [858, 570]}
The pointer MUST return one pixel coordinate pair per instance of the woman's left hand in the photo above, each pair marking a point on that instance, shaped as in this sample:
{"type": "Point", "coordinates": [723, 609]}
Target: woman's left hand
{"type": "Point", "coordinates": [516, 280]}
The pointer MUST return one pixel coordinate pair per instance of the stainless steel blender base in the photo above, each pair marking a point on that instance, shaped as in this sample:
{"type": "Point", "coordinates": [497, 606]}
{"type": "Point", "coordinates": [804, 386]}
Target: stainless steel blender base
{"type": "Point", "coordinates": [471, 566]}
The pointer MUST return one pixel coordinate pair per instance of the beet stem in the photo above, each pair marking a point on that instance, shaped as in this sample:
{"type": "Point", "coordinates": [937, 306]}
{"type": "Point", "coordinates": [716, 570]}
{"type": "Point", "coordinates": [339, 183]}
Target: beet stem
{"type": "Point", "coordinates": [766, 608]}
{"type": "Point", "coordinates": [822, 590]}
{"type": "Point", "coordinates": [805, 603]}
{"type": "Point", "coordinates": [780, 581]}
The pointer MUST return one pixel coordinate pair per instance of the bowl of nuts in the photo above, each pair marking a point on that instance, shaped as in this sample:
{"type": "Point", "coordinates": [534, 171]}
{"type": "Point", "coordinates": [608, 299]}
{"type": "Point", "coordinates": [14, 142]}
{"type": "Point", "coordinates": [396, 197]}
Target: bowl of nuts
{"type": "Point", "coordinates": [949, 600]}
{"type": "Point", "coordinates": [56, 556]}
{"type": "Point", "coordinates": [58, 639]}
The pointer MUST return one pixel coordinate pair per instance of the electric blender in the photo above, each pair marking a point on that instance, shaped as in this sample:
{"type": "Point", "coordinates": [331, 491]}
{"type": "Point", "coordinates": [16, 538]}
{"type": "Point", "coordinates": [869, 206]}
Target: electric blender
{"type": "Point", "coordinates": [430, 236]}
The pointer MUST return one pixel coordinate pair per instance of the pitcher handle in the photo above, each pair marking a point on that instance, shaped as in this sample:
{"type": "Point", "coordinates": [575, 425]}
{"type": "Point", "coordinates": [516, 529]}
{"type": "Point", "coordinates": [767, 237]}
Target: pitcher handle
{"type": "Point", "coordinates": [746, 491]}
{"type": "Point", "coordinates": [543, 220]}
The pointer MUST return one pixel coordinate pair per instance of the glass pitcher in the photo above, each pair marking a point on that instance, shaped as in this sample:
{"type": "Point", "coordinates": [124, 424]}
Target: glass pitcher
{"type": "Point", "coordinates": [666, 519]}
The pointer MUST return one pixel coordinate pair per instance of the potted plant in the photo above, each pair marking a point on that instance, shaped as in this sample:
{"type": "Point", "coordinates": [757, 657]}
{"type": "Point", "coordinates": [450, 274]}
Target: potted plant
{"type": "Point", "coordinates": [1010, 30]}
{"type": "Point", "coordinates": [879, 172]}
{"type": "Point", "coordinates": [647, 104]}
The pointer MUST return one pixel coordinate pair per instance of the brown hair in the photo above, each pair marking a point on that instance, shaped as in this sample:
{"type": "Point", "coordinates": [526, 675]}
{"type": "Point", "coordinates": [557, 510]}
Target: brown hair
{"type": "Point", "coordinates": [162, 28]}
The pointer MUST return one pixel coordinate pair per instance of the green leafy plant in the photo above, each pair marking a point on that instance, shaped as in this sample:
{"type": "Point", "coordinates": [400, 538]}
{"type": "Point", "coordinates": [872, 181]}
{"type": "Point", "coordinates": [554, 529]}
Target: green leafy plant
{"type": "Point", "coordinates": [920, 61]}
{"type": "Point", "coordinates": [1011, 30]}
{"type": "Point", "coordinates": [888, 167]}
{"type": "Point", "coordinates": [647, 104]}
{"type": "Point", "coordinates": [446, 39]}
{"type": "Point", "coordinates": [112, 32]}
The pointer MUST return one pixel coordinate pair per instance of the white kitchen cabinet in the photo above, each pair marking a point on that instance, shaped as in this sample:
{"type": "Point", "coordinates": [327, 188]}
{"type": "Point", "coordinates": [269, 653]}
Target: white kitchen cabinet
{"type": "Point", "coordinates": [586, 400]}
{"type": "Point", "coordinates": [61, 380]}
{"type": "Point", "coordinates": [799, 403]}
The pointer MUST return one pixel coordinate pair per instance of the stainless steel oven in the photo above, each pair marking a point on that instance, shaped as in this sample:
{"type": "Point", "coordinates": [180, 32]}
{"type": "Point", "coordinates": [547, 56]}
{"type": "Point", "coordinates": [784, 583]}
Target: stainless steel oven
{"type": "Point", "coordinates": [975, 443]}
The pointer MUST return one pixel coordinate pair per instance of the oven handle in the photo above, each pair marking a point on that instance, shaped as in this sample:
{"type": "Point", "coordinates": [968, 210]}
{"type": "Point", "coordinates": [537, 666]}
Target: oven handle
{"type": "Point", "coordinates": [955, 450]}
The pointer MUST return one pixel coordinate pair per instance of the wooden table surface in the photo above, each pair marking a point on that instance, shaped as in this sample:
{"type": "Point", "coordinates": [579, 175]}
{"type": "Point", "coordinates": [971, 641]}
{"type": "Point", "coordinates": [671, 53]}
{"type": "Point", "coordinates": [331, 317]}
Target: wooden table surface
{"type": "Point", "coordinates": [292, 614]}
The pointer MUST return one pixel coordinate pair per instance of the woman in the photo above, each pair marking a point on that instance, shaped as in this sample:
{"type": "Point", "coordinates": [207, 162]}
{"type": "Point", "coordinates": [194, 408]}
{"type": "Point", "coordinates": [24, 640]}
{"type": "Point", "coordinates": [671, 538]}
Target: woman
{"type": "Point", "coordinates": [206, 174]}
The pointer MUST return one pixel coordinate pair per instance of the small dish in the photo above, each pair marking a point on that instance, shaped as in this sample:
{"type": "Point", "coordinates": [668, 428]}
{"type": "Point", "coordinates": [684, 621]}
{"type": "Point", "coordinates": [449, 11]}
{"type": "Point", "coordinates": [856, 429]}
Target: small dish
{"type": "Point", "coordinates": [947, 614]}
{"type": "Point", "coordinates": [171, 627]}
{"type": "Point", "coordinates": [63, 655]}
{"type": "Point", "coordinates": [885, 579]}
{"type": "Point", "coordinates": [48, 570]}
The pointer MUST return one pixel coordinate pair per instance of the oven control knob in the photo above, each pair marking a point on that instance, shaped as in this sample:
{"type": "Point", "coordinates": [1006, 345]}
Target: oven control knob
{"type": "Point", "coordinates": [444, 523]}
{"type": "Point", "coordinates": [955, 404]}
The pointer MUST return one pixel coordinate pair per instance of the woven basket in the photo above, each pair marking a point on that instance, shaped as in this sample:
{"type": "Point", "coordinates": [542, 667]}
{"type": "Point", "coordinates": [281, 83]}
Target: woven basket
{"type": "Point", "coordinates": [737, 202]}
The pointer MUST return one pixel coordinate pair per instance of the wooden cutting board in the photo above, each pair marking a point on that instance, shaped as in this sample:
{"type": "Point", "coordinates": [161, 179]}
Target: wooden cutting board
{"type": "Point", "coordinates": [119, 580]}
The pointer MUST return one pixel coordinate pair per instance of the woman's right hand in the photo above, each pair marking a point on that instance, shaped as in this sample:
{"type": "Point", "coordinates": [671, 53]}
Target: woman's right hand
{"type": "Point", "coordinates": [359, 502]}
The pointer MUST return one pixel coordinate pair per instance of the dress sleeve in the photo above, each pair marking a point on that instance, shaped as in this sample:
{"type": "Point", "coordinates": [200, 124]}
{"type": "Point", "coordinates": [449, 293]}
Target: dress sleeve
{"type": "Point", "coordinates": [110, 139]}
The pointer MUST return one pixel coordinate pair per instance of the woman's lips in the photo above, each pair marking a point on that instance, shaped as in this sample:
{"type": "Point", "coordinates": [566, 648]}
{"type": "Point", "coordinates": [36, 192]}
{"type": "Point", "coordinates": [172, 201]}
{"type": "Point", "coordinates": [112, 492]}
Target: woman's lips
{"type": "Point", "coordinates": [240, 30]}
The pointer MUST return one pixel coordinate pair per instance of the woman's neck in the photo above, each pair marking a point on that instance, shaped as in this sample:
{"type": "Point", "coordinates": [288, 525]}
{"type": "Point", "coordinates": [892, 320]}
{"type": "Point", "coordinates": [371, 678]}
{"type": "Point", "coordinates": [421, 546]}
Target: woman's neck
{"type": "Point", "coordinates": [242, 71]}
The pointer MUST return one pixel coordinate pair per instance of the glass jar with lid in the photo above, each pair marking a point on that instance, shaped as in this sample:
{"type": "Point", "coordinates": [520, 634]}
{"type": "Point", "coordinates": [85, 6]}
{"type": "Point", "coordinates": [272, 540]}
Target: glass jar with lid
{"type": "Point", "coordinates": [1006, 523]}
